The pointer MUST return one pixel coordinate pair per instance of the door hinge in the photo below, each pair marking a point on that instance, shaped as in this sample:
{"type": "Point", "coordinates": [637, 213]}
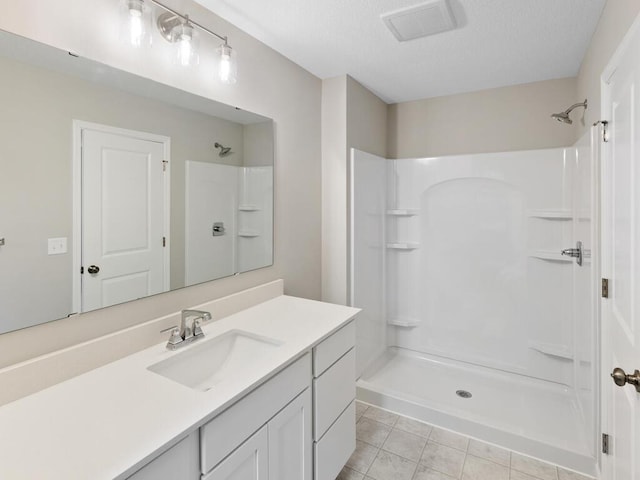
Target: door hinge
{"type": "Point", "coordinates": [605, 129]}
{"type": "Point", "coordinates": [605, 444]}
{"type": "Point", "coordinates": [164, 165]}
{"type": "Point", "coordinates": [81, 270]}
{"type": "Point", "coordinates": [605, 288]}
{"type": "Point", "coordinates": [164, 241]}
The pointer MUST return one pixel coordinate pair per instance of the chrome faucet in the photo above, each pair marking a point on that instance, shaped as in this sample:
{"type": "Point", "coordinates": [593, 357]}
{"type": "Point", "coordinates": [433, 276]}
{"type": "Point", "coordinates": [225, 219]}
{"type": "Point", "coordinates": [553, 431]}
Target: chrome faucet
{"type": "Point", "coordinates": [188, 332]}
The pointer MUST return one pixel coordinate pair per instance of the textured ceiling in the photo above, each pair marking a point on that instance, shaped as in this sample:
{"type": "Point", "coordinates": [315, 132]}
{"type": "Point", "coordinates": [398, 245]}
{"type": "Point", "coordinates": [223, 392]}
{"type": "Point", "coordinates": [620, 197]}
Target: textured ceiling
{"type": "Point", "coordinates": [496, 42]}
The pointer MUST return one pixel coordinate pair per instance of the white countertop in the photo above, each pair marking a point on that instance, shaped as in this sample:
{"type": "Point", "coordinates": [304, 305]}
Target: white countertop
{"type": "Point", "coordinates": [109, 422]}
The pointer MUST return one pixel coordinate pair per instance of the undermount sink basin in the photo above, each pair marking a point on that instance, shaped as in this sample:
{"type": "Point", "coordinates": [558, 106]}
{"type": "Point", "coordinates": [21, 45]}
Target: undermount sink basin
{"type": "Point", "coordinates": [206, 364]}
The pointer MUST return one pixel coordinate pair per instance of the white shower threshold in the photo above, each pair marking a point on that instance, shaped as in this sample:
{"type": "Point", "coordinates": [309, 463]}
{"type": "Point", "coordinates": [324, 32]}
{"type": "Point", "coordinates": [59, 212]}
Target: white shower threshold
{"type": "Point", "coordinates": [537, 418]}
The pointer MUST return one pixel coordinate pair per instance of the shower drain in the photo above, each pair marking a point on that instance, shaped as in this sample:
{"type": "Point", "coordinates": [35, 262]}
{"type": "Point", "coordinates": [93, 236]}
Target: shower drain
{"type": "Point", "coordinates": [463, 394]}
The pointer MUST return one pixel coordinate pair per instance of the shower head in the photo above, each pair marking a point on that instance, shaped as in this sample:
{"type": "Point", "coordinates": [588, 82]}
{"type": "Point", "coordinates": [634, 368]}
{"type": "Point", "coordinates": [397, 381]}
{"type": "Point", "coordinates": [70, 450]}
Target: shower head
{"type": "Point", "coordinates": [224, 151]}
{"type": "Point", "coordinates": [563, 117]}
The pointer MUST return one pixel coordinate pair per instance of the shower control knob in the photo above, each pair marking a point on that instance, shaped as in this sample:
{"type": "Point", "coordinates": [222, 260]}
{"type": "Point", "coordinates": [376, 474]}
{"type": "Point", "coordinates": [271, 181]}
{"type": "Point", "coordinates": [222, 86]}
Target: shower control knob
{"type": "Point", "coordinates": [218, 229]}
{"type": "Point", "coordinates": [576, 253]}
{"type": "Point", "coordinates": [620, 378]}
{"type": "Point", "coordinates": [93, 269]}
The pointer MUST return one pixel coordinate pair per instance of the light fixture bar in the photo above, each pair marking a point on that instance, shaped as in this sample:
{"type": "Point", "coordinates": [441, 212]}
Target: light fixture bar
{"type": "Point", "coordinates": [187, 19]}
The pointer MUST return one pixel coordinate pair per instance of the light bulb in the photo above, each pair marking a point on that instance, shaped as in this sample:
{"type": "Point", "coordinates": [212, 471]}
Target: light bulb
{"type": "Point", "coordinates": [135, 27]}
{"type": "Point", "coordinates": [184, 50]}
{"type": "Point", "coordinates": [134, 23]}
{"type": "Point", "coordinates": [185, 40]}
{"type": "Point", "coordinates": [227, 67]}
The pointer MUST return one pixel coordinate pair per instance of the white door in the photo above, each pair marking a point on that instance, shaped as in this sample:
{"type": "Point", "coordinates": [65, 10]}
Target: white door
{"type": "Point", "coordinates": [123, 218]}
{"type": "Point", "coordinates": [620, 257]}
{"type": "Point", "coordinates": [290, 441]}
{"type": "Point", "coordinates": [248, 462]}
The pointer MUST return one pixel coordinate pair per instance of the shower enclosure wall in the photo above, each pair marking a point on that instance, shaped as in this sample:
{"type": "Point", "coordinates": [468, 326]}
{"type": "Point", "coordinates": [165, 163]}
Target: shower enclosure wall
{"type": "Point", "coordinates": [239, 201]}
{"type": "Point", "coordinates": [456, 262]}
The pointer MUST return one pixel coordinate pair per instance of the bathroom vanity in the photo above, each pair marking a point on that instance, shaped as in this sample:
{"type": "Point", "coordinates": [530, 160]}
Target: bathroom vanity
{"type": "Point", "coordinates": [276, 403]}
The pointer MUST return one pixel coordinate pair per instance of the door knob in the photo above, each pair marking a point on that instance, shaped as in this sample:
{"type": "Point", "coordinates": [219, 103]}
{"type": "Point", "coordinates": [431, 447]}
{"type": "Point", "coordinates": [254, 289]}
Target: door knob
{"type": "Point", "coordinates": [620, 378]}
{"type": "Point", "coordinates": [93, 269]}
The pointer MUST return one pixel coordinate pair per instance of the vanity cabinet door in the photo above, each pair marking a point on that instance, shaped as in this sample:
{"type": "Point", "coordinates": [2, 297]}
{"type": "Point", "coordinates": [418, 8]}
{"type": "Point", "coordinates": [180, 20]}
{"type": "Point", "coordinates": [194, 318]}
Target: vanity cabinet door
{"type": "Point", "coordinates": [249, 461]}
{"type": "Point", "coordinates": [182, 461]}
{"type": "Point", "coordinates": [290, 441]}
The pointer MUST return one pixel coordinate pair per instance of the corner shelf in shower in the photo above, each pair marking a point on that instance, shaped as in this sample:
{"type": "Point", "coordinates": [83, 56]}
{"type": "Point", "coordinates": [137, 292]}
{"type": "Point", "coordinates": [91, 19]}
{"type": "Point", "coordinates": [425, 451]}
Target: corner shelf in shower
{"type": "Point", "coordinates": [552, 349]}
{"type": "Point", "coordinates": [550, 255]}
{"type": "Point", "coordinates": [248, 208]}
{"type": "Point", "coordinates": [248, 234]}
{"type": "Point", "coordinates": [407, 212]}
{"type": "Point", "coordinates": [551, 214]}
{"type": "Point", "coordinates": [403, 322]}
{"type": "Point", "coordinates": [402, 246]}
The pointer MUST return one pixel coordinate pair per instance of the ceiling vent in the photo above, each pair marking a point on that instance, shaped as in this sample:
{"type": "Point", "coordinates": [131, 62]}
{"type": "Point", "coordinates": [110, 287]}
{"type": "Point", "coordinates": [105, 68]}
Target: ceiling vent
{"type": "Point", "coordinates": [420, 21]}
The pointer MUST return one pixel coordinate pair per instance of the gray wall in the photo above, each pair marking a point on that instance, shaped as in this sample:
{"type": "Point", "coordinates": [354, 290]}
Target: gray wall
{"type": "Point", "coordinates": [334, 189]}
{"type": "Point", "coordinates": [268, 84]}
{"type": "Point", "coordinates": [366, 120]}
{"type": "Point", "coordinates": [258, 145]}
{"type": "Point", "coordinates": [352, 117]}
{"type": "Point", "coordinates": [495, 120]}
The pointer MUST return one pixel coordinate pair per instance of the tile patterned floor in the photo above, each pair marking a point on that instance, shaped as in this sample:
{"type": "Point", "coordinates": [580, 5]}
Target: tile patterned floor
{"type": "Point", "coordinates": [393, 447]}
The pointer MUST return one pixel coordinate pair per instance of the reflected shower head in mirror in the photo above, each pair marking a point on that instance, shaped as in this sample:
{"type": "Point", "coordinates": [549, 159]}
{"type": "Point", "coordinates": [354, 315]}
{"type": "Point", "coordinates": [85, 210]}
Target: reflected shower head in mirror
{"type": "Point", "coordinates": [224, 151]}
{"type": "Point", "coordinates": [563, 117]}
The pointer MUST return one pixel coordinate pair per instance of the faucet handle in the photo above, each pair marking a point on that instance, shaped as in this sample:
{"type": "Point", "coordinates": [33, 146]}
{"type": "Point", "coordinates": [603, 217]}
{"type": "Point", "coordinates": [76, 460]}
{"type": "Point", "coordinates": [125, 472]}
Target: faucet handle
{"type": "Point", "coordinates": [175, 339]}
{"type": "Point", "coordinates": [197, 328]}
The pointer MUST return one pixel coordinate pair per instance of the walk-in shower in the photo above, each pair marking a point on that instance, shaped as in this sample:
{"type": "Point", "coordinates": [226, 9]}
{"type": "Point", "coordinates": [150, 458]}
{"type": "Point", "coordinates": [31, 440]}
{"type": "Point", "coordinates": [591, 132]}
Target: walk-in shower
{"type": "Point", "coordinates": [472, 318]}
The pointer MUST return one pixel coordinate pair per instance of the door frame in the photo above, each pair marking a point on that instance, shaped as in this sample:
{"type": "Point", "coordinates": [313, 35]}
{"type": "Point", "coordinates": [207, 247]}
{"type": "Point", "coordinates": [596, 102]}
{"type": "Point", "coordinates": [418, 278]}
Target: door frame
{"type": "Point", "coordinates": [604, 462]}
{"type": "Point", "coordinates": [78, 126]}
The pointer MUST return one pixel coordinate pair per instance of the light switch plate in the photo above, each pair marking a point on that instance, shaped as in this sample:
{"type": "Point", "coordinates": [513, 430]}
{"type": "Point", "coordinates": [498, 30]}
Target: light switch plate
{"type": "Point", "coordinates": [57, 246]}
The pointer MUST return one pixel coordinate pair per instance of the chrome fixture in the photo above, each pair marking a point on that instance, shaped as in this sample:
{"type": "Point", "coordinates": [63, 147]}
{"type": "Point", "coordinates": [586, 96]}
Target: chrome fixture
{"type": "Point", "coordinates": [176, 28]}
{"type": "Point", "coordinates": [179, 31]}
{"type": "Point", "coordinates": [563, 117]}
{"type": "Point", "coordinates": [218, 229]}
{"type": "Point", "coordinates": [605, 129]}
{"type": "Point", "coordinates": [463, 394]}
{"type": "Point", "coordinates": [620, 378]}
{"type": "Point", "coordinates": [576, 253]}
{"type": "Point", "coordinates": [224, 151]}
{"type": "Point", "coordinates": [187, 333]}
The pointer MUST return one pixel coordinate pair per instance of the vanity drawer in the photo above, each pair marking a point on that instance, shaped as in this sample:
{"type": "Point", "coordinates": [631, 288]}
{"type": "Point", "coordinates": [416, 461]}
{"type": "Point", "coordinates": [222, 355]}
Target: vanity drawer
{"type": "Point", "coordinates": [331, 349]}
{"type": "Point", "coordinates": [332, 392]}
{"type": "Point", "coordinates": [228, 430]}
{"type": "Point", "coordinates": [335, 448]}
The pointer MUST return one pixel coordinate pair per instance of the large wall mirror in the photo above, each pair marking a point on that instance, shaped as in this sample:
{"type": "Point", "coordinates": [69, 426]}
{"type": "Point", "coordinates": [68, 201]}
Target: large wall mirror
{"type": "Point", "coordinates": [114, 187]}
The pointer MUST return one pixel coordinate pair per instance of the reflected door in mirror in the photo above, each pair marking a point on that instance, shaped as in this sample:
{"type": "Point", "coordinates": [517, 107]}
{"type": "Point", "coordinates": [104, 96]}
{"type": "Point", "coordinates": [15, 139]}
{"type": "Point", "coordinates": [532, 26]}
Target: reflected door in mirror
{"type": "Point", "coordinates": [123, 217]}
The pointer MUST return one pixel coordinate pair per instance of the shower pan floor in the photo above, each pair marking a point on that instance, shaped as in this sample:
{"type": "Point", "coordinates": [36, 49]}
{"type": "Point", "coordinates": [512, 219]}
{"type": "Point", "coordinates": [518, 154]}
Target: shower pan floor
{"type": "Point", "coordinates": [532, 416]}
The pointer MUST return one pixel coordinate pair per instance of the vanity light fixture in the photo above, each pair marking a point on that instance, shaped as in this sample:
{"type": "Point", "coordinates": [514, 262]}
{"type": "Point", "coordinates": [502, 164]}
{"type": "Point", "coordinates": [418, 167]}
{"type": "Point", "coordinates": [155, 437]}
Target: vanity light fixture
{"type": "Point", "coordinates": [180, 30]}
